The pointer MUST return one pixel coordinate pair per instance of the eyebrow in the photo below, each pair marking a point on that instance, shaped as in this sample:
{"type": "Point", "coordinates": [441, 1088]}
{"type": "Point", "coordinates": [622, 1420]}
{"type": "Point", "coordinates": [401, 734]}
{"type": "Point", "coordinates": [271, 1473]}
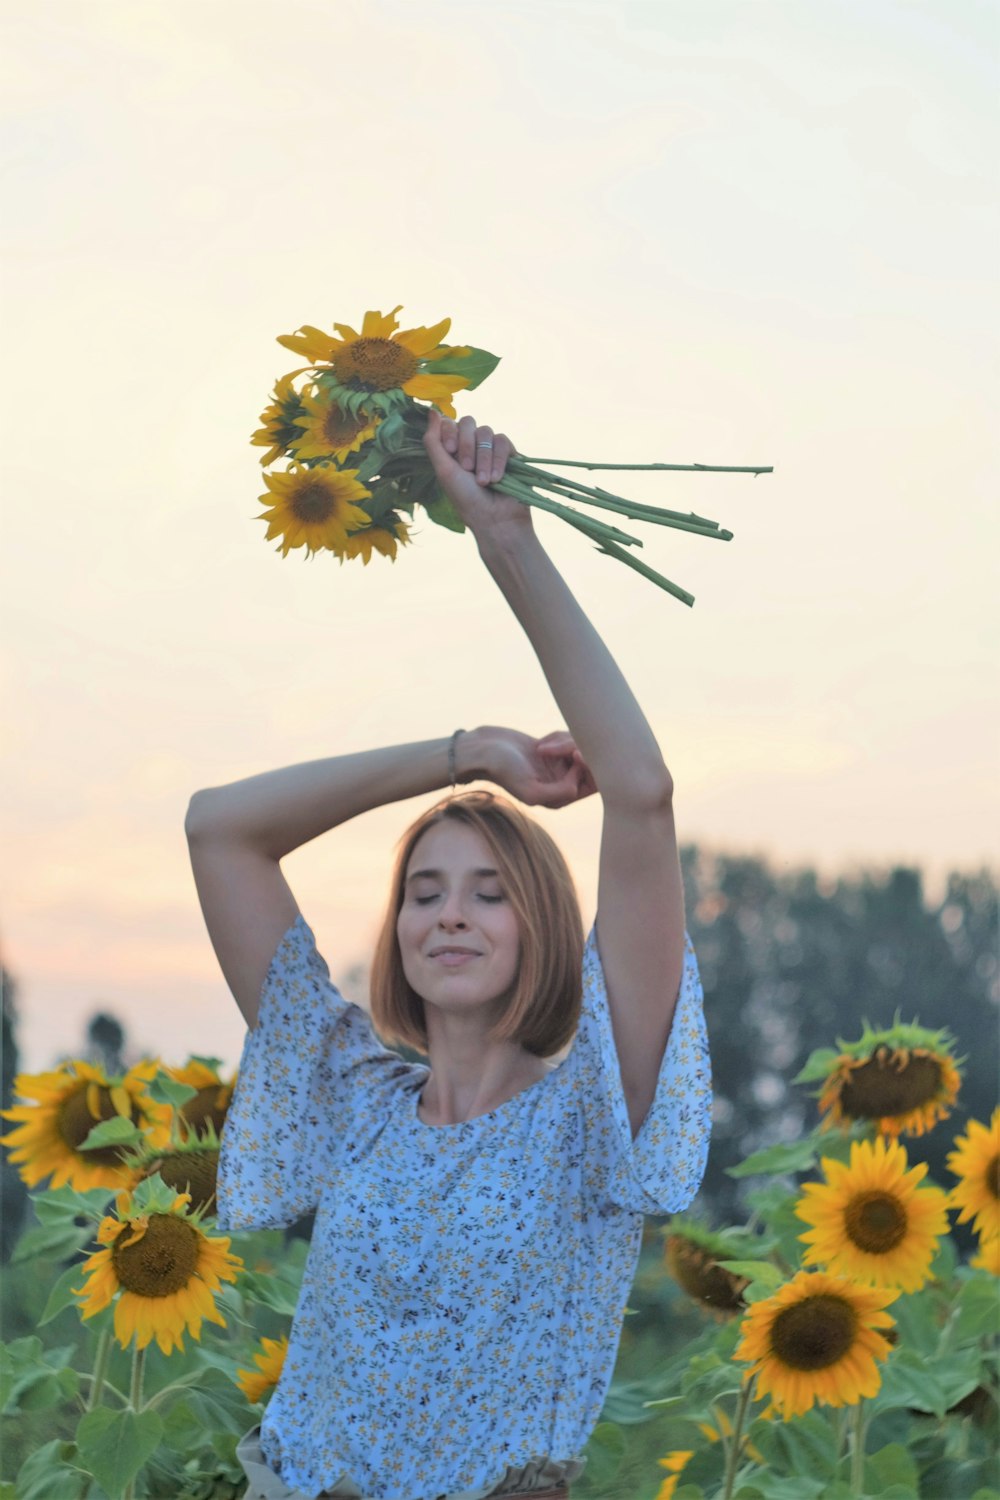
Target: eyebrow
{"type": "Point", "coordinates": [439, 874]}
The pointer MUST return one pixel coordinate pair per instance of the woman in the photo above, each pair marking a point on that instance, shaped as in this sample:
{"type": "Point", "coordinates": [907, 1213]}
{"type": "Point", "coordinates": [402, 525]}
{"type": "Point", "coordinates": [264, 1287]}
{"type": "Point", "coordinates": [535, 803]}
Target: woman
{"type": "Point", "coordinates": [478, 1221]}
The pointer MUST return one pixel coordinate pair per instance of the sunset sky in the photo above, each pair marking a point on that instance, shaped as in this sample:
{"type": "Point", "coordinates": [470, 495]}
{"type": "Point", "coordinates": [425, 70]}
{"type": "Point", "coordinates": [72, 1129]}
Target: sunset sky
{"type": "Point", "coordinates": [724, 232]}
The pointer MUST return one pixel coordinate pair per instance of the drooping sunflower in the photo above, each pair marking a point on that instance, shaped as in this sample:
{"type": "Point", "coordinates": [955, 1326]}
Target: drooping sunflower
{"type": "Point", "coordinates": [314, 508]}
{"type": "Point", "coordinates": [384, 535]}
{"type": "Point", "coordinates": [255, 1384]}
{"type": "Point", "coordinates": [871, 1220]}
{"type": "Point", "coordinates": [976, 1162]}
{"type": "Point", "coordinates": [378, 367]}
{"type": "Point", "coordinates": [328, 429]}
{"type": "Point", "coordinates": [189, 1165]}
{"type": "Point", "coordinates": [817, 1340]}
{"type": "Point", "coordinates": [283, 419]}
{"type": "Point", "coordinates": [210, 1102]}
{"type": "Point", "coordinates": [692, 1256]}
{"type": "Point", "coordinates": [675, 1462]}
{"type": "Point", "coordinates": [68, 1103]}
{"type": "Point", "coordinates": [161, 1266]}
{"type": "Point", "coordinates": [902, 1079]}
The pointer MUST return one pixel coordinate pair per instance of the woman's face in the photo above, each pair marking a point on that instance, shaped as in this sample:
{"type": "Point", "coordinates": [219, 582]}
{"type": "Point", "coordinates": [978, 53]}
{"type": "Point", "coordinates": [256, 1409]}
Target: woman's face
{"type": "Point", "coordinates": [457, 933]}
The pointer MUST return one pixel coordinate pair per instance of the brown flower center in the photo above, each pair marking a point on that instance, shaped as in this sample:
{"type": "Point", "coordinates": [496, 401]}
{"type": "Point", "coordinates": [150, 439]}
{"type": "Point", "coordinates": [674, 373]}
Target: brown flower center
{"type": "Point", "coordinates": [191, 1172]}
{"type": "Point", "coordinates": [374, 365]}
{"type": "Point", "coordinates": [876, 1222]}
{"type": "Point", "coordinates": [993, 1177]}
{"type": "Point", "coordinates": [815, 1333]}
{"type": "Point", "coordinates": [162, 1261]}
{"type": "Point", "coordinates": [339, 427]}
{"type": "Point", "coordinates": [76, 1122]}
{"type": "Point", "coordinates": [313, 504]}
{"type": "Point", "coordinates": [890, 1082]}
{"type": "Point", "coordinates": [209, 1103]}
{"type": "Point", "coordinates": [700, 1275]}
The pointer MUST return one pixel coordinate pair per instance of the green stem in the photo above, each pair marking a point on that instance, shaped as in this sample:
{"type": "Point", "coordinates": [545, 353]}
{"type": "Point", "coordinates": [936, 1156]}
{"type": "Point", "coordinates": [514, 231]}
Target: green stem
{"type": "Point", "coordinates": [575, 463]}
{"type": "Point", "coordinates": [101, 1362]}
{"type": "Point", "coordinates": [647, 572]}
{"type": "Point", "coordinates": [736, 1441]}
{"type": "Point", "coordinates": [138, 1360]}
{"type": "Point", "coordinates": [598, 530]}
{"type": "Point", "coordinates": [610, 501]}
{"type": "Point", "coordinates": [858, 1450]}
{"type": "Point", "coordinates": [653, 514]}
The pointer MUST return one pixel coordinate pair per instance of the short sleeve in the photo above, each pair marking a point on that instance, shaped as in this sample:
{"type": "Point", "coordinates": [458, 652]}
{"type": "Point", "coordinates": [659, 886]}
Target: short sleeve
{"type": "Point", "coordinates": [660, 1171]}
{"type": "Point", "coordinates": [301, 1070]}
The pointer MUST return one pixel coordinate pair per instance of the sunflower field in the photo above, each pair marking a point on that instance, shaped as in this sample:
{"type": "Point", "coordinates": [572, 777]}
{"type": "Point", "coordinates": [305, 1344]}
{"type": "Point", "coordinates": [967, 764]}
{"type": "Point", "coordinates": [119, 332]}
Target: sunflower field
{"type": "Point", "coordinates": [839, 1341]}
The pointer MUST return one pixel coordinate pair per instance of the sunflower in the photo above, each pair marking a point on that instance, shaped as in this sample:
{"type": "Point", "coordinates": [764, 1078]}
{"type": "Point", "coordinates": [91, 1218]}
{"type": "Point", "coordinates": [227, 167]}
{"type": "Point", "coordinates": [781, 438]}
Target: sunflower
{"type": "Point", "coordinates": [69, 1102]}
{"type": "Point", "coordinates": [164, 1266]}
{"type": "Point", "coordinates": [211, 1100]}
{"type": "Point", "coordinates": [283, 421]}
{"type": "Point", "coordinates": [255, 1384]}
{"type": "Point", "coordinates": [871, 1221]}
{"type": "Point", "coordinates": [903, 1079]}
{"type": "Point", "coordinates": [328, 430]}
{"type": "Point", "coordinates": [977, 1163]}
{"type": "Point", "coordinates": [988, 1258]}
{"type": "Point", "coordinates": [817, 1340]}
{"type": "Point", "coordinates": [384, 535]}
{"type": "Point", "coordinates": [675, 1463]}
{"type": "Point", "coordinates": [188, 1166]}
{"type": "Point", "coordinates": [378, 367]}
{"type": "Point", "coordinates": [692, 1257]}
{"type": "Point", "coordinates": [314, 508]}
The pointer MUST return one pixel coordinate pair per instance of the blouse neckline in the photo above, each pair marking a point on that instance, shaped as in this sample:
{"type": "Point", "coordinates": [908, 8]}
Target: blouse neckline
{"type": "Point", "coordinates": [488, 1114]}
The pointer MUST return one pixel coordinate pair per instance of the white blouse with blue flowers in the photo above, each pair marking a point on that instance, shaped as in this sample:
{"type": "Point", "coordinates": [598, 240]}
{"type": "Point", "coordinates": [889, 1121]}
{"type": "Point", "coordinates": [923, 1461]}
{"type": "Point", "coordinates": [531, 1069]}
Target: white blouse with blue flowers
{"type": "Point", "coordinates": [465, 1288]}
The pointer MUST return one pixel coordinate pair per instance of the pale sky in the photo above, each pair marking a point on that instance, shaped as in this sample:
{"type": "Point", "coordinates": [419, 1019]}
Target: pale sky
{"type": "Point", "coordinates": [724, 231]}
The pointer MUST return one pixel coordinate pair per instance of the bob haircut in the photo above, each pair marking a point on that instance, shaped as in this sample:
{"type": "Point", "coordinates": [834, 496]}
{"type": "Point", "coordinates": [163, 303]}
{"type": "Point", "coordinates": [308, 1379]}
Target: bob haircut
{"type": "Point", "coordinates": [544, 1002]}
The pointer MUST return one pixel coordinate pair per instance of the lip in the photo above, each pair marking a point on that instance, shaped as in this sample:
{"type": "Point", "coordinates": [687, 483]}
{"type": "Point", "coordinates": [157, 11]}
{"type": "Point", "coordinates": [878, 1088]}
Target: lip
{"type": "Point", "coordinates": [453, 957]}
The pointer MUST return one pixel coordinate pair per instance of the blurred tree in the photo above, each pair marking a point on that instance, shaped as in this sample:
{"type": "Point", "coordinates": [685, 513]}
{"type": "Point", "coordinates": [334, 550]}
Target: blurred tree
{"type": "Point", "coordinates": [105, 1043]}
{"type": "Point", "coordinates": [13, 1193]}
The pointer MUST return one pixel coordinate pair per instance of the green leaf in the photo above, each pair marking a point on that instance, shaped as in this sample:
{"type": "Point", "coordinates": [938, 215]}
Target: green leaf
{"type": "Point", "coordinates": [114, 1445]}
{"type": "Point", "coordinates": [761, 1271]}
{"type": "Point", "coordinates": [890, 1466]}
{"type": "Point", "coordinates": [167, 1090]}
{"type": "Point", "coordinates": [54, 1241]}
{"type": "Point", "coordinates": [474, 366]}
{"type": "Point", "coordinates": [114, 1132]}
{"type": "Point", "coordinates": [786, 1486]}
{"type": "Point", "coordinates": [443, 513]}
{"type": "Point", "coordinates": [62, 1293]}
{"type": "Point", "coordinates": [978, 1308]}
{"type": "Point", "coordinates": [604, 1452]}
{"type": "Point", "coordinates": [908, 1380]}
{"type": "Point", "coordinates": [49, 1474]}
{"type": "Point", "coordinates": [819, 1065]}
{"type": "Point", "coordinates": [64, 1204]}
{"type": "Point", "coordinates": [802, 1445]}
{"type": "Point", "coordinates": [796, 1156]}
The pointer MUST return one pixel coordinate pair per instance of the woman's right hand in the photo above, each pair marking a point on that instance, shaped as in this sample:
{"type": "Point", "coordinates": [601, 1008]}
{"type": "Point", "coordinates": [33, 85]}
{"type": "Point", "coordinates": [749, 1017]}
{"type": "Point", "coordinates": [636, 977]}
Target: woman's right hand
{"type": "Point", "coordinates": [549, 772]}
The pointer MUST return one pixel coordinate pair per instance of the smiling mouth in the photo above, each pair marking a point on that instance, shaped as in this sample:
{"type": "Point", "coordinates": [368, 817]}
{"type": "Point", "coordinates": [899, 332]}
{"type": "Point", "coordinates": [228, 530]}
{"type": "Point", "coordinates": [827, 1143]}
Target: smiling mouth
{"type": "Point", "coordinates": [453, 955]}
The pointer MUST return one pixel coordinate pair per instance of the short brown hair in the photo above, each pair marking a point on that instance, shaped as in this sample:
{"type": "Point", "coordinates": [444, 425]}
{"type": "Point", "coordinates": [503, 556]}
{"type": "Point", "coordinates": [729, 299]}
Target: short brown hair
{"type": "Point", "coordinates": [544, 1003]}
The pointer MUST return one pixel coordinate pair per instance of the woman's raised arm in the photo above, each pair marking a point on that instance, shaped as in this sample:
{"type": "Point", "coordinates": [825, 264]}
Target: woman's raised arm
{"type": "Point", "coordinates": [640, 894]}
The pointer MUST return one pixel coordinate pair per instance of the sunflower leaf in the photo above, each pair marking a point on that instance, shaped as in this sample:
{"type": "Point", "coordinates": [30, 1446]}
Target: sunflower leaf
{"type": "Point", "coordinates": [443, 513]}
{"type": "Point", "coordinates": [167, 1090]}
{"type": "Point", "coordinates": [54, 1240]}
{"type": "Point", "coordinates": [114, 1445]}
{"type": "Point", "coordinates": [819, 1065]}
{"type": "Point", "coordinates": [785, 1158]}
{"type": "Point", "coordinates": [761, 1271]}
{"type": "Point", "coordinates": [114, 1132]}
{"type": "Point", "coordinates": [474, 366]}
{"type": "Point", "coordinates": [978, 1308]}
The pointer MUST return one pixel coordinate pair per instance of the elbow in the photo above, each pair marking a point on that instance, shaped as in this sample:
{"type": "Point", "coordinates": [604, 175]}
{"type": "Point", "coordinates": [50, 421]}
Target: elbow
{"type": "Point", "coordinates": [198, 816]}
{"type": "Point", "coordinates": [649, 793]}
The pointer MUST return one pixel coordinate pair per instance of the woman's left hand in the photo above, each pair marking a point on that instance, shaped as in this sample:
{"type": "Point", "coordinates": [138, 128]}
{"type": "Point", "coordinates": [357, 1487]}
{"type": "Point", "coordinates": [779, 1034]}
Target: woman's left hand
{"type": "Point", "coordinates": [467, 459]}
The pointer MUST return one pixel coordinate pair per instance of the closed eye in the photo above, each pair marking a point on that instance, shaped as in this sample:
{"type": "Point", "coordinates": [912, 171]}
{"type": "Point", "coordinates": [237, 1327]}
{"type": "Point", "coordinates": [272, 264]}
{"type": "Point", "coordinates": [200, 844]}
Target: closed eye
{"type": "Point", "coordinates": [481, 895]}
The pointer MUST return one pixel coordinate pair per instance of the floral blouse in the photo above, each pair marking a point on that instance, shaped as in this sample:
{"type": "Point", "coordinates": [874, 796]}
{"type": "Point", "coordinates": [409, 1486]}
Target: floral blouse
{"type": "Point", "coordinates": [464, 1292]}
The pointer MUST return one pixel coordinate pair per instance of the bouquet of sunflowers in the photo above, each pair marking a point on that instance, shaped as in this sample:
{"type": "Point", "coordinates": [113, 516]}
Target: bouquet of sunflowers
{"type": "Point", "coordinates": [352, 431]}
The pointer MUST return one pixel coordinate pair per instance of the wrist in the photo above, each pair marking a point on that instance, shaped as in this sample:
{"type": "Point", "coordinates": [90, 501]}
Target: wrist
{"type": "Point", "coordinates": [472, 756]}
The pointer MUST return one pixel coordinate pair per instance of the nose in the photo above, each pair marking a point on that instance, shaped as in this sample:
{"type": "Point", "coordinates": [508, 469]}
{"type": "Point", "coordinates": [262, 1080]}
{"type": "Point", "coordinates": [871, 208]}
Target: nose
{"type": "Point", "coordinates": [451, 913]}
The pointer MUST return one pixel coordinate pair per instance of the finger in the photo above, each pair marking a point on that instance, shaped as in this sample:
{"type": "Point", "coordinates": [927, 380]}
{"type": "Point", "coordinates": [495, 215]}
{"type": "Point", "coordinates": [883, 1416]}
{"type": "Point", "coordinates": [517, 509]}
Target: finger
{"type": "Point", "coordinates": [467, 443]}
{"type": "Point", "coordinates": [484, 454]}
{"type": "Point", "coordinates": [502, 449]}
